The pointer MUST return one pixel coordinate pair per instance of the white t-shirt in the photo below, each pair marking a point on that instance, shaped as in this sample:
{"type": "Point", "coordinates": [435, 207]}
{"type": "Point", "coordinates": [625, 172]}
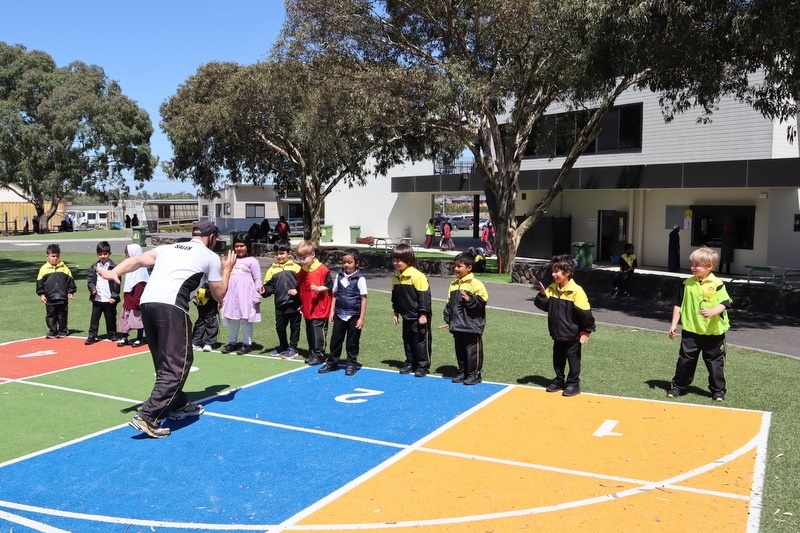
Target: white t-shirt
{"type": "Point", "coordinates": [180, 270]}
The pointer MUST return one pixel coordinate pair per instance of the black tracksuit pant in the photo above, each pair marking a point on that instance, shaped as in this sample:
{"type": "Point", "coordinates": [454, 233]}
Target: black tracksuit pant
{"type": "Point", "coordinates": [417, 343]}
{"type": "Point", "coordinates": [206, 327]}
{"type": "Point", "coordinates": [292, 320]}
{"type": "Point", "coordinates": [713, 349]}
{"type": "Point", "coordinates": [344, 329]}
{"type": "Point", "coordinates": [169, 331]}
{"type": "Point", "coordinates": [109, 312]}
{"type": "Point", "coordinates": [469, 353]}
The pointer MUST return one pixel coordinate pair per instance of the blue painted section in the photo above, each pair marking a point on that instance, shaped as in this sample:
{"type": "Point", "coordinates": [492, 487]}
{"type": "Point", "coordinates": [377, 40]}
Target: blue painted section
{"type": "Point", "coordinates": [216, 470]}
{"type": "Point", "coordinates": [407, 409]}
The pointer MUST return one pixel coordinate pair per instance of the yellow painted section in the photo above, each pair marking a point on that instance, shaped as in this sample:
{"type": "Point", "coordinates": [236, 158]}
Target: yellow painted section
{"type": "Point", "coordinates": [534, 461]}
{"type": "Point", "coordinates": [657, 440]}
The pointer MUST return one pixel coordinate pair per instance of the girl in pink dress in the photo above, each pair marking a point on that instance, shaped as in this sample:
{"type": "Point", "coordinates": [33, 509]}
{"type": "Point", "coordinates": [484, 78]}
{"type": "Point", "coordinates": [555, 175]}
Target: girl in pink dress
{"type": "Point", "coordinates": [242, 306]}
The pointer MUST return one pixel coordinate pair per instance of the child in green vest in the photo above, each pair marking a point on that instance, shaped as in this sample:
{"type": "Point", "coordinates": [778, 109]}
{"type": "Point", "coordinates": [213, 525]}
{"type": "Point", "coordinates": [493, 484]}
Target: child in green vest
{"type": "Point", "coordinates": [702, 308]}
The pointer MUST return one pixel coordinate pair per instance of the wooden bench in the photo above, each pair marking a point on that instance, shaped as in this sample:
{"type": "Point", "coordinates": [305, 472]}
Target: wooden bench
{"type": "Point", "coordinates": [387, 243]}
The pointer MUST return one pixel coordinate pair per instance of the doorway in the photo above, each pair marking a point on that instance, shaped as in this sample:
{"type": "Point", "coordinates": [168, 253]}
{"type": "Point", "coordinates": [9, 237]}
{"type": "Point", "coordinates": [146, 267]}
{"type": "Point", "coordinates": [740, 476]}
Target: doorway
{"type": "Point", "coordinates": [612, 233]}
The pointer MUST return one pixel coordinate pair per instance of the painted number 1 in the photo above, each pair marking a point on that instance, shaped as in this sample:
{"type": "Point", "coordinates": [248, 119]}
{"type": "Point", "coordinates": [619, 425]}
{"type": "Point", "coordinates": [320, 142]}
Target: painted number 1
{"type": "Point", "coordinates": [359, 396]}
{"type": "Point", "coordinates": [606, 429]}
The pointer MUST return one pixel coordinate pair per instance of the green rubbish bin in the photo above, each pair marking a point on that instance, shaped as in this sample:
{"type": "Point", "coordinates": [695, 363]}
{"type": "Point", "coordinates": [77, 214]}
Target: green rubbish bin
{"type": "Point", "coordinates": [139, 234]}
{"type": "Point", "coordinates": [355, 234]}
{"type": "Point", "coordinates": [326, 233]}
{"type": "Point", "coordinates": [583, 252]}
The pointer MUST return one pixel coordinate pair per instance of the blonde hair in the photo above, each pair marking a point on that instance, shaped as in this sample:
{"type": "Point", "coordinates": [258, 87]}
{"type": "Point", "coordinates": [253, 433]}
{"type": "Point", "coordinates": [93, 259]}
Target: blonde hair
{"type": "Point", "coordinates": [305, 248]}
{"type": "Point", "coordinates": [704, 256]}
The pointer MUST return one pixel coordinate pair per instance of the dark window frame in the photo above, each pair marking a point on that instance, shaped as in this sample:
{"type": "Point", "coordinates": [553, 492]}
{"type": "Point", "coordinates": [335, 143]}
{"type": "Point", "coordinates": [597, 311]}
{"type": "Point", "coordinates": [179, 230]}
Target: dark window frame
{"type": "Point", "coordinates": [255, 211]}
{"type": "Point", "coordinates": [708, 222]}
{"type": "Point", "coordinates": [621, 132]}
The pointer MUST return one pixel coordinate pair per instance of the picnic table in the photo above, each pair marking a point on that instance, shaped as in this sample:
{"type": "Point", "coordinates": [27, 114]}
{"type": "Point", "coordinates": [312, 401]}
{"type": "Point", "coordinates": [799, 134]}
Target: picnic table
{"type": "Point", "coordinates": [388, 243]}
{"type": "Point", "coordinates": [768, 273]}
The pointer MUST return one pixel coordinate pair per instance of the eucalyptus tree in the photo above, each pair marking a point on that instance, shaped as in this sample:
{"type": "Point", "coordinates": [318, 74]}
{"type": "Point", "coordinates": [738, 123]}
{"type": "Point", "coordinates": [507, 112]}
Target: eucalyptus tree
{"type": "Point", "coordinates": [306, 125]}
{"type": "Point", "coordinates": [770, 40]}
{"type": "Point", "coordinates": [67, 130]}
{"type": "Point", "coordinates": [499, 65]}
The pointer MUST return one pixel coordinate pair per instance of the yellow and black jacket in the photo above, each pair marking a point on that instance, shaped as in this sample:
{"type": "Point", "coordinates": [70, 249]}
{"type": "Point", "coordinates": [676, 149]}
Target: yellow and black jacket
{"type": "Point", "coordinates": [411, 294]}
{"type": "Point", "coordinates": [55, 282]}
{"type": "Point", "coordinates": [568, 311]}
{"type": "Point", "coordinates": [466, 316]}
{"type": "Point", "coordinates": [278, 280]}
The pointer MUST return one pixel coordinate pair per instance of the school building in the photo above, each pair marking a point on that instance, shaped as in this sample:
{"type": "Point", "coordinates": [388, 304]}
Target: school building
{"type": "Point", "coordinates": [640, 178]}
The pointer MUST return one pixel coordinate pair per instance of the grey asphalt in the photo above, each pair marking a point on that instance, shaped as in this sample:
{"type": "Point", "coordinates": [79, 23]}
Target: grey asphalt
{"type": "Point", "coordinates": [769, 333]}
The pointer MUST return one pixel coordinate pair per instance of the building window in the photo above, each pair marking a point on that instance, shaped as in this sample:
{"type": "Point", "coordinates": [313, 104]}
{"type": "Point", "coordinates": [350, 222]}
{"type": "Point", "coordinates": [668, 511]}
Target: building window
{"type": "Point", "coordinates": [164, 211]}
{"type": "Point", "coordinates": [709, 221]}
{"type": "Point", "coordinates": [254, 211]}
{"type": "Point", "coordinates": [218, 209]}
{"type": "Point", "coordinates": [621, 131]}
{"type": "Point", "coordinates": [205, 210]}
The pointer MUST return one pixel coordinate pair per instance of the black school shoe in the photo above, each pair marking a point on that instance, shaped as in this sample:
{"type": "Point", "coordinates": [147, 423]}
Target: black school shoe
{"type": "Point", "coordinates": [473, 379]}
{"type": "Point", "coordinates": [327, 367]}
{"type": "Point", "coordinates": [571, 390]}
{"type": "Point", "coordinates": [89, 341]}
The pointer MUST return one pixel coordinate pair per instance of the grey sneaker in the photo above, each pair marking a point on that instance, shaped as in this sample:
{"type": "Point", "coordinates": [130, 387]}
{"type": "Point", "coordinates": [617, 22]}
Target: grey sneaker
{"type": "Point", "coordinates": [190, 409]}
{"type": "Point", "coordinates": [140, 424]}
{"type": "Point", "coordinates": [291, 353]}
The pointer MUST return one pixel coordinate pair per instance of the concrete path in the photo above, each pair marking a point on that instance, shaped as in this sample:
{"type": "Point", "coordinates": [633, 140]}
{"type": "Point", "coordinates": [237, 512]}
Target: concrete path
{"type": "Point", "coordinates": [769, 333]}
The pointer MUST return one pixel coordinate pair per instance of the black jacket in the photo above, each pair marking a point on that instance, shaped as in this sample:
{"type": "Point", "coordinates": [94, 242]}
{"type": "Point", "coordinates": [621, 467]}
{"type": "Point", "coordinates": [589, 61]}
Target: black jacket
{"type": "Point", "coordinates": [55, 282]}
{"type": "Point", "coordinates": [91, 281]}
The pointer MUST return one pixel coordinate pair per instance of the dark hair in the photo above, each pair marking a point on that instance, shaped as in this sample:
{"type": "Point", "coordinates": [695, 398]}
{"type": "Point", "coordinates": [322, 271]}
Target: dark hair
{"type": "Point", "coordinates": [282, 246]}
{"type": "Point", "coordinates": [628, 246]}
{"type": "Point", "coordinates": [564, 263]}
{"type": "Point", "coordinates": [405, 253]}
{"type": "Point", "coordinates": [466, 259]}
{"type": "Point", "coordinates": [53, 249]}
{"type": "Point", "coordinates": [354, 253]}
{"type": "Point", "coordinates": [243, 238]}
{"type": "Point", "coordinates": [103, 246]}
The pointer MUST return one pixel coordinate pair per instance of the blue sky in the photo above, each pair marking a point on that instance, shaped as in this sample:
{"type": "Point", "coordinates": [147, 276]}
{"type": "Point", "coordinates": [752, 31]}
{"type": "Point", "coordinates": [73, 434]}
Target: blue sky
{"type": "Point", "coordinates": [149, 46]}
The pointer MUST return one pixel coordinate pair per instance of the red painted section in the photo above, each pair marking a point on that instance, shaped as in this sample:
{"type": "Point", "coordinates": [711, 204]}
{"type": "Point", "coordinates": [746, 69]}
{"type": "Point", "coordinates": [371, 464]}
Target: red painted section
{"type": "Point", "coordinates": [32, 357]}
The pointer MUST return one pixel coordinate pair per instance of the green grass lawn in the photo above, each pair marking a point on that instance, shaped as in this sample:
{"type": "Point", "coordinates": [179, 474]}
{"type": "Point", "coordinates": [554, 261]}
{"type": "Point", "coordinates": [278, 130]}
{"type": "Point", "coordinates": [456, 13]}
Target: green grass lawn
{"type": "Point", "coordinates": [617, 361]}
{"type": "Point", "coordinates": [56, 236]}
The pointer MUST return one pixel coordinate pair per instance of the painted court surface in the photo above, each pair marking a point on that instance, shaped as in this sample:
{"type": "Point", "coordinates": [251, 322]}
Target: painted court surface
{"type": "Point", "coordinates": [283, 448]}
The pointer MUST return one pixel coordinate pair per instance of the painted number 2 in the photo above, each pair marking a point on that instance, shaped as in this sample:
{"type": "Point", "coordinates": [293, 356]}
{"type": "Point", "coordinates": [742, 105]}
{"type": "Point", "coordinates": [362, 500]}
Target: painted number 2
{"type": "Point", "coordinates": [359, 396]}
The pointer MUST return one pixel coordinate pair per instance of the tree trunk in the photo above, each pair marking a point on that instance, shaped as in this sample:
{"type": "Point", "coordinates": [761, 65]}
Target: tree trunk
{"type": "Point", "coordinates": [501, 199]}
{"type": "Point", "coordinates": [312, 209]}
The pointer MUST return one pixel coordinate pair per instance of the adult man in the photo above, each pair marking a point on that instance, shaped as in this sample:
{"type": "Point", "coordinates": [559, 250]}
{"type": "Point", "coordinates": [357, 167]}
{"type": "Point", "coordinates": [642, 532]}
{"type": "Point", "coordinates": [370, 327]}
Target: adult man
{"type": "Point", "coordinates": [178, 271]}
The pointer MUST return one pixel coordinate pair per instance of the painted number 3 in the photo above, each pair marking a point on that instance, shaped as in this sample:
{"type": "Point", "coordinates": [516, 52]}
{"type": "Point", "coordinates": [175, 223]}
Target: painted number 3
{"type": "Point", "coordinates": [359, 396]}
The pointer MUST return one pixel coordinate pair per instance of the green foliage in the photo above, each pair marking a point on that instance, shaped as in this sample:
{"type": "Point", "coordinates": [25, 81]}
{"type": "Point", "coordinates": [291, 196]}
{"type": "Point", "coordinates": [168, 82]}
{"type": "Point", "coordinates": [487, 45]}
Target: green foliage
{"type": "Point", "coordinates": [308, 126]}
{"type": "Point", "coordinates": [496, 66]}
{"type": "Point", "coordinates": [66, 130]}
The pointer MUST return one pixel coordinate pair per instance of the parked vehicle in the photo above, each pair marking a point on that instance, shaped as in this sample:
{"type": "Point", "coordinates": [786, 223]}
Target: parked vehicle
{"type": "Point", "coordinates": [83, 220]}
{"type": "Point", "coordinates": [461, 221]}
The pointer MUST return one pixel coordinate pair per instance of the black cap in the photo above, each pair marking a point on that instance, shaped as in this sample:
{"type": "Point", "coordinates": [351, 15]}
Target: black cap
{"type": "Point", "coordinates": [204, 228]}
